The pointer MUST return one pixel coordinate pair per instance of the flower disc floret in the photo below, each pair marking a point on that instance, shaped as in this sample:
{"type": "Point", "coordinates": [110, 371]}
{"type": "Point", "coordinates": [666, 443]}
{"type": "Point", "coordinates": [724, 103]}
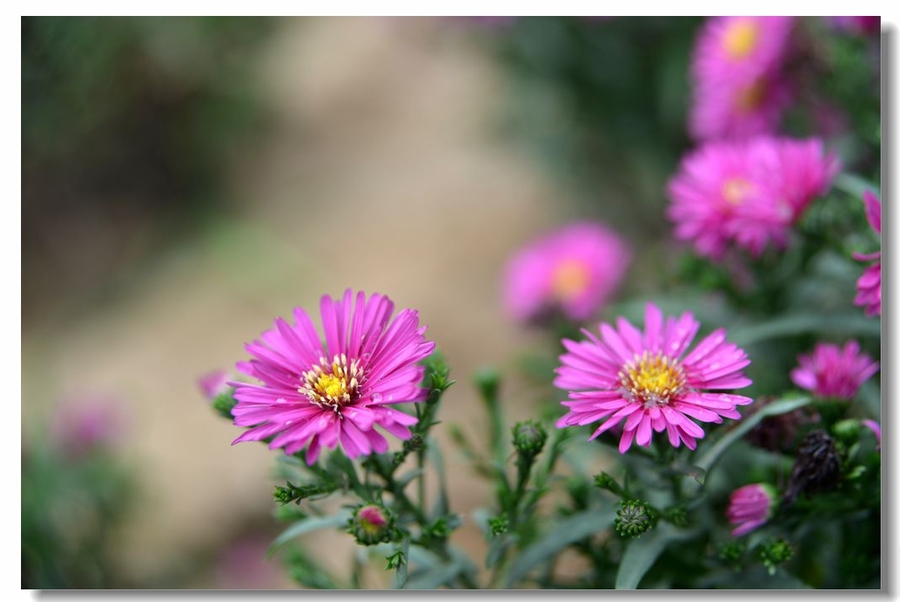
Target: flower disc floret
{"type": "Point", "coordinates": [652, 380]}
{"type": "Point", "coordinates": [648, 382]}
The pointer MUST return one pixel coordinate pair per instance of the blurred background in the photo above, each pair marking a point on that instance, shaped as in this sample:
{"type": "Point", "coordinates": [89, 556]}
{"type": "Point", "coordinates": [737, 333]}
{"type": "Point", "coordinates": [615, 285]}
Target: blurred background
{"type": "Point", "coordinates": [187, 180]}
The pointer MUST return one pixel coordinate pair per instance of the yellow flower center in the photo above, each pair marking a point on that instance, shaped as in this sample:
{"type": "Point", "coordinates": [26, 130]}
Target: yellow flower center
{"type": "Point", "coordinates": [751, 97]}
{"type": "Point", "coordinates": [333, 385]}
{"type": "Point", "coordinates": [652, 380]}
{"type": "Point", "coordinates": [736, 190]}
{"type": "Point", "coordinates": [570, 279]}
{"type": "Point", "coordinates": [741, 38]}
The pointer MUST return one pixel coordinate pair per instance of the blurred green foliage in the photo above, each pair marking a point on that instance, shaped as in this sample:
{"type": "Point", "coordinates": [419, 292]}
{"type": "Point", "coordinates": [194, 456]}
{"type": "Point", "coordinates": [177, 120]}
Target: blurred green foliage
{"type": "Point", "coordinates": [128, 127]}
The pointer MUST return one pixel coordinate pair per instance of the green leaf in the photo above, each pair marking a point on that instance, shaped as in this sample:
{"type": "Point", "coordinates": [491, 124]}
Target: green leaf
{"type": "Point", "coordinates": [854, 185]}
{"type": "Point", "coordinates": [847, 324]}
{"type": "Point", "coordinates": [642, 553]}
{"type": "Point", "coordinates": [564, 533]}
{"type": "Point", "coordinates": [308, 525]}
{"type": "Point", "coordinates": [782, 406]}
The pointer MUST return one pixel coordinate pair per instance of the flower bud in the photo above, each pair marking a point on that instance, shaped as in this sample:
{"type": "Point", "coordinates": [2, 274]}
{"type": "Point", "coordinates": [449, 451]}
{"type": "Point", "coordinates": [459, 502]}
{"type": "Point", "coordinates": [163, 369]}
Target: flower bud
{"type": "Point", "coordinates": [775, 552]}
{"type": "Point", "coordinates": [529, 438]}
{"type": "Point", "coordinates": [216, 389]}
{"type": "Point", "coordinates": [876, 430]}
{"type": "Point", "coordinates": [817, 467]}
{"type": "Point", "coordinates": [633, 518]}
{"type": "Point", "coordinates": [371, 524]}
{"type": "Point", "coordinates": [750, 507]}
{"type": "Point", "coordinates": [488, 382]}
{"type": "Point", "coordinates": [847, 430]}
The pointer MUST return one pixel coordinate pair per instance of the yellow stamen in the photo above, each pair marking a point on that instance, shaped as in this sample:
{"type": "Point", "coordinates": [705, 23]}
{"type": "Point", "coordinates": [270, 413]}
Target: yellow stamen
{"type": "Point", "coordinates": [652, 380]}
{"type": "Point", "coordinates": [736, 190]}
{"type": "Point", "coordinates": [570, 279]}
{"type": "Point", "coordinates": [741, 38]}
{"type": "Point", "coordinates": [334, 385]}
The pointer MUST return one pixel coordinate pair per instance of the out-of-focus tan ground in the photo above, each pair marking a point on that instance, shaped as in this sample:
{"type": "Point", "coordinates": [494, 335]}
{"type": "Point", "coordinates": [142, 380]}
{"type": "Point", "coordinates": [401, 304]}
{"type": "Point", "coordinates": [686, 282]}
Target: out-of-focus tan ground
{"type": "Point", "coordinates": [382, 174]}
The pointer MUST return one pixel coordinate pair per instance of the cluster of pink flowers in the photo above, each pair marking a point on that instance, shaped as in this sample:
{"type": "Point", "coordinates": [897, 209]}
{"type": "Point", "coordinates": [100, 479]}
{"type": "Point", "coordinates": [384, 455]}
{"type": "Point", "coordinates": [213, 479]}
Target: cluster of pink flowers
{"type": "Point", "coordinates": [573, 271]}
{"type": "Point", "coordinates": [317, 394]}
{"type": "Point", "coordinates": [738, 84]}
{"type": "Point", "coordinates": [834, 372]}
{"type": "Point", "coordinates": [747, 193]}
{"type": "Point", "coordinates": [868, 286]}
{"type": "Point", "coordinates": [646, 383]}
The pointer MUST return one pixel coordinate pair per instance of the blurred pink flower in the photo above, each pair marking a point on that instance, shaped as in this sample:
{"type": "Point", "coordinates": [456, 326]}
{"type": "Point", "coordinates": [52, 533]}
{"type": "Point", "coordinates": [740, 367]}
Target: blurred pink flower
{"type": "Point", "coordinates": [316, 394]}
{"type": "Point", "coordinates": [868, 287]}
{"type": "Point", "coordinates": [214, 384]}
{"type": "Point", "coordinates": [856, 25]}
{"type": "Point", "coordinates": [875, 428]}
{"type": "Point", "coordinates": [749, 193]}
{"type": "Point", "coordinates": [88, 423]}
{"type": "Point", "coordinates": [750, 507]}
{"type": "Point", "coordinates": [245, 564]}
{"type": "Point", "coordinates": [830, 371]}
{"type": "Point", "coordinates": [737, 84]}
{"type": "Point", "coordinates": [573, 270]}
{"type": "Point", "coordinates": [643, 379]}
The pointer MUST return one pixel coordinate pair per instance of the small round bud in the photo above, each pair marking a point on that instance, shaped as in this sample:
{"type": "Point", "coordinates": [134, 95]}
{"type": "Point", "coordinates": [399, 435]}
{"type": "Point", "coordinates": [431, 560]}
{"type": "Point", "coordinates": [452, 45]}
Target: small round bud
{"type": "Point", "coordinates": [282, 494]}
{"type": "Point", "coordinates": [371, 524]}
{"type": "Point", "coordinates": [847, 430]}
{"type": "Point", "coordinates": [499, 525]}
{"type": "Point", "coordinates": [488, 382]}
{"type": "Point", "coordinates": [529, 438]}
{"type": "Point", "coordinates": [732, 552]}
{"type": "Point", "coordinates": [633, 518]}
{"type": "Point", "coordinates": [775, 552]}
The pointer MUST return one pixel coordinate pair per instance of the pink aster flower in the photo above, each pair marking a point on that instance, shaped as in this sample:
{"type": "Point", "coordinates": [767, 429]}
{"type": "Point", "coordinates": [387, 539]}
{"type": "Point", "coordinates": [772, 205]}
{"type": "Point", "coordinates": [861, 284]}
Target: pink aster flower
{"type": "Point", "coordinates": [318, 394]}
{"type": "Point", "coordinates": [830, 371]}
{"type": "Point", "coordinates": [749, 193]}
{"type": "Point", "coordinates": [573, 270]}
{"type": "Point", "coordinates": [868, 287]}
{"type": "Point", "coordinates": [750, 507]}
{"type": "Point", "coordinates": [647, 381]}
{"type": "Point", "coordinates": [737, 83]}
{"type": "Point", "coordinates": [89, 423]}
{"type": "Point", "coordinates": [214, 383]}
{"type": "Point", "coordinates": [875, 428]}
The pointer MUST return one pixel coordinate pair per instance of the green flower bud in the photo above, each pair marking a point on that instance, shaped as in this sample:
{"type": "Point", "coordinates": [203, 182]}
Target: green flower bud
{"type": "Point", "coordinates": [282, 495]}
{"type": "Point", "coordinates": [847, 430]}
{"type": "Point", "coordinates": [529, 438]}
{"type": "Point", "coordinates": [732, 552]}
{"type": "Point", "coordinates": [775, 552]}
{"type": "Point", "coordinates": [633, 518]}
{"type": "Point", "coordinates": [677, 516]}
{"type": "Point", "coordinates": [499, 525]}
{"type": "Point", "coordinates": [488, 382]}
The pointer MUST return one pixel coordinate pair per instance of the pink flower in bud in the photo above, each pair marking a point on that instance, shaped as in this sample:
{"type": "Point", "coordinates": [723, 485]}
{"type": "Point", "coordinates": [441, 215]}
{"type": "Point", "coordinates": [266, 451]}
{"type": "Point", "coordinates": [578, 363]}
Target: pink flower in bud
{"type": "Point", "coordinates": [875, 428]}
{"type": "Point", "coordinates": [214, 383]}
{"type": "Point", "coordinates": [750, 507]}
